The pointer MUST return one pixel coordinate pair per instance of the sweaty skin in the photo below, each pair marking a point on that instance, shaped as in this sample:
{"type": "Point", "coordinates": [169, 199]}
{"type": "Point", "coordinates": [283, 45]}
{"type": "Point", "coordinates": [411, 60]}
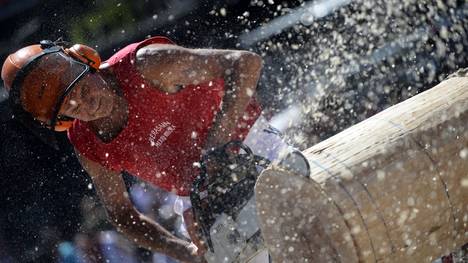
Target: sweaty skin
{"type": "Point", "coordinates": [182, 66]}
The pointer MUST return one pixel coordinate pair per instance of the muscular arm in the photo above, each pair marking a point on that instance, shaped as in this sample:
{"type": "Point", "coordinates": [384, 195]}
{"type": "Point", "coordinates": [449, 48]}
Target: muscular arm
{"type": "Point", "coordinates": [134, 225]}
{"type": "Point", "coordinates": [169, 66]}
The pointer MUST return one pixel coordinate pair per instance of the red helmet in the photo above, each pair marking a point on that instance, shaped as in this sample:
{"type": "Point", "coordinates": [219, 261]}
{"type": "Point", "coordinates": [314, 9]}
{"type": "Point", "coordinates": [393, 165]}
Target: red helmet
{"type": "Point", "coordinates": [38, 77]}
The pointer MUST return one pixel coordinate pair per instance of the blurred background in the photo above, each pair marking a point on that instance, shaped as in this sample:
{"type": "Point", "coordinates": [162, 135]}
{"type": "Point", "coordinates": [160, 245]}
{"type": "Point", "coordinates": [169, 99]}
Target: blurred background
{"type": "Point", "coordinates": [328, 64]}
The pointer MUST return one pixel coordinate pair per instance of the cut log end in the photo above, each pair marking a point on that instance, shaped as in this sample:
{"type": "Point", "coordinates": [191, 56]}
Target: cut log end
{"type": "Point", "coordinates": [308, 230]}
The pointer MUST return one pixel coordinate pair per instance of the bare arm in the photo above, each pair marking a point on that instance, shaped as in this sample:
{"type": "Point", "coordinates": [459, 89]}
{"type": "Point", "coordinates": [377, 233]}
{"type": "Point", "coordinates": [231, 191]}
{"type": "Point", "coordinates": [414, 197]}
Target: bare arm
{"type": "Point", "coordinates": [134, 225]}
{"type": "Point", "coordinates": [169, 66]}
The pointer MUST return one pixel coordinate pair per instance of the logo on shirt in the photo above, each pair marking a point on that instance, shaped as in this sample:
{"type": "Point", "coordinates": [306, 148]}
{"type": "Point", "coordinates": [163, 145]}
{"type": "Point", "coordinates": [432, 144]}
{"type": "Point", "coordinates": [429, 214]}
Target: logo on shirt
{"type": "Point", "coordinates": [160, 133]}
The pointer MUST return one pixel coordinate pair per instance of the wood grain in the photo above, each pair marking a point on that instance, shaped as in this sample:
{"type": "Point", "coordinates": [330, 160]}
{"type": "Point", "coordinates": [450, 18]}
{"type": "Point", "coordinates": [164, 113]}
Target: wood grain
{"type": "Point", "coordinates": [393, 188]}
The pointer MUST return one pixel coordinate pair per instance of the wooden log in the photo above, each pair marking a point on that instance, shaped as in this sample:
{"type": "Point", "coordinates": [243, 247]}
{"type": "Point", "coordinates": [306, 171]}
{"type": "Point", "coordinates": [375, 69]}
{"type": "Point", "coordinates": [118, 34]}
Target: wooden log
{"type": "Point", "coordinates": [393, 188]}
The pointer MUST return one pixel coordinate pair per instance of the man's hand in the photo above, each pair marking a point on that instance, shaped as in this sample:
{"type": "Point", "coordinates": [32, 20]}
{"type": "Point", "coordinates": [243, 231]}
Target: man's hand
{"type": "Point", "coordinates": [194, 231]}
{"type": "Point", "coordinates": [213, 164]}
{"type": "Point", "coordinates": [194, 254]}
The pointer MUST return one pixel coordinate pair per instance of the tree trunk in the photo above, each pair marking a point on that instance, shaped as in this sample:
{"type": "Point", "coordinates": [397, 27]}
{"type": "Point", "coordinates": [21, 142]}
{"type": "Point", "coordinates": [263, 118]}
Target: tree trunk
{"type": "Point", "coordinates": [393, 188]}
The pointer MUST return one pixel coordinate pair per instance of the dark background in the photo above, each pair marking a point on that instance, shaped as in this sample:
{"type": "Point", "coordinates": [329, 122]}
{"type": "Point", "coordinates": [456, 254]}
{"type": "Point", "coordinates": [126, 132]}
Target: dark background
{"type": "Point", "coordinates": [332, 70]}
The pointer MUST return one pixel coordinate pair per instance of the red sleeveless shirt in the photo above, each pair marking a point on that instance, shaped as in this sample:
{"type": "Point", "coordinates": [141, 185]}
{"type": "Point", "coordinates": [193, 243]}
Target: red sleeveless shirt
{"type": "Point", "coordinates": [165, 133]}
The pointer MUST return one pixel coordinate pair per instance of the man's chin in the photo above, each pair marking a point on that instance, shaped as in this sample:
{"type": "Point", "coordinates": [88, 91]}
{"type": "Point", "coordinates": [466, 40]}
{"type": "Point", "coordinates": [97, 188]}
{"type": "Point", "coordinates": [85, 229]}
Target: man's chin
{"type": "Point", "coordinates": [107, 112]}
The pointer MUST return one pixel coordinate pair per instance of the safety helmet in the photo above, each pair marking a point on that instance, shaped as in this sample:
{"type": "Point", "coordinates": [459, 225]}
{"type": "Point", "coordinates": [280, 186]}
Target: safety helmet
{"type": "Point", "coordinates": [39, 77]}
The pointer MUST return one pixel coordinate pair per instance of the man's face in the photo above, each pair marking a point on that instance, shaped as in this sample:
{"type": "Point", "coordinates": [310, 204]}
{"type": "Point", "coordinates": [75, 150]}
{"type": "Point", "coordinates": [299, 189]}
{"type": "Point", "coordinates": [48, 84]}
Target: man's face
{"type": "Point", "coordinates": [91, 99]}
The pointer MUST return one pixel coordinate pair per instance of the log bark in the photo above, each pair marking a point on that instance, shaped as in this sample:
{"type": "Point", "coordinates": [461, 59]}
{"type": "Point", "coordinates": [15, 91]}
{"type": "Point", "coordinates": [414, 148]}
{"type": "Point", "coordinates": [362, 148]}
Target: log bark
{"type": "Point", "coordinates": [393, 188]}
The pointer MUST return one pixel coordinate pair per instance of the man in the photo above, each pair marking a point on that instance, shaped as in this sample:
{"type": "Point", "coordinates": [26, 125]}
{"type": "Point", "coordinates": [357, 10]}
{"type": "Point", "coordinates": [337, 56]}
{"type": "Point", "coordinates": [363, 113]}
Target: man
{"type": "Point", "coordinates": [151, 110]}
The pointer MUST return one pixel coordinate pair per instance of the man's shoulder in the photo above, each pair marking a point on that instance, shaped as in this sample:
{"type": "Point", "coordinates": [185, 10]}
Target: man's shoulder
{"type": "Point", "coordinates": [132, 48]}
{"type": "Point", "coordinates": [121, 56]}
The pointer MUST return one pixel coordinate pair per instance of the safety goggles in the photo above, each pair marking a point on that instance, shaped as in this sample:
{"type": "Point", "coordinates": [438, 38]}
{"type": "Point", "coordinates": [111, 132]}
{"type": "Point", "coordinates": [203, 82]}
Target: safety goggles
{"type": "Point", "coordinates": [83, 69]}
{"type": "Point", "coordinates": [50, 87]}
